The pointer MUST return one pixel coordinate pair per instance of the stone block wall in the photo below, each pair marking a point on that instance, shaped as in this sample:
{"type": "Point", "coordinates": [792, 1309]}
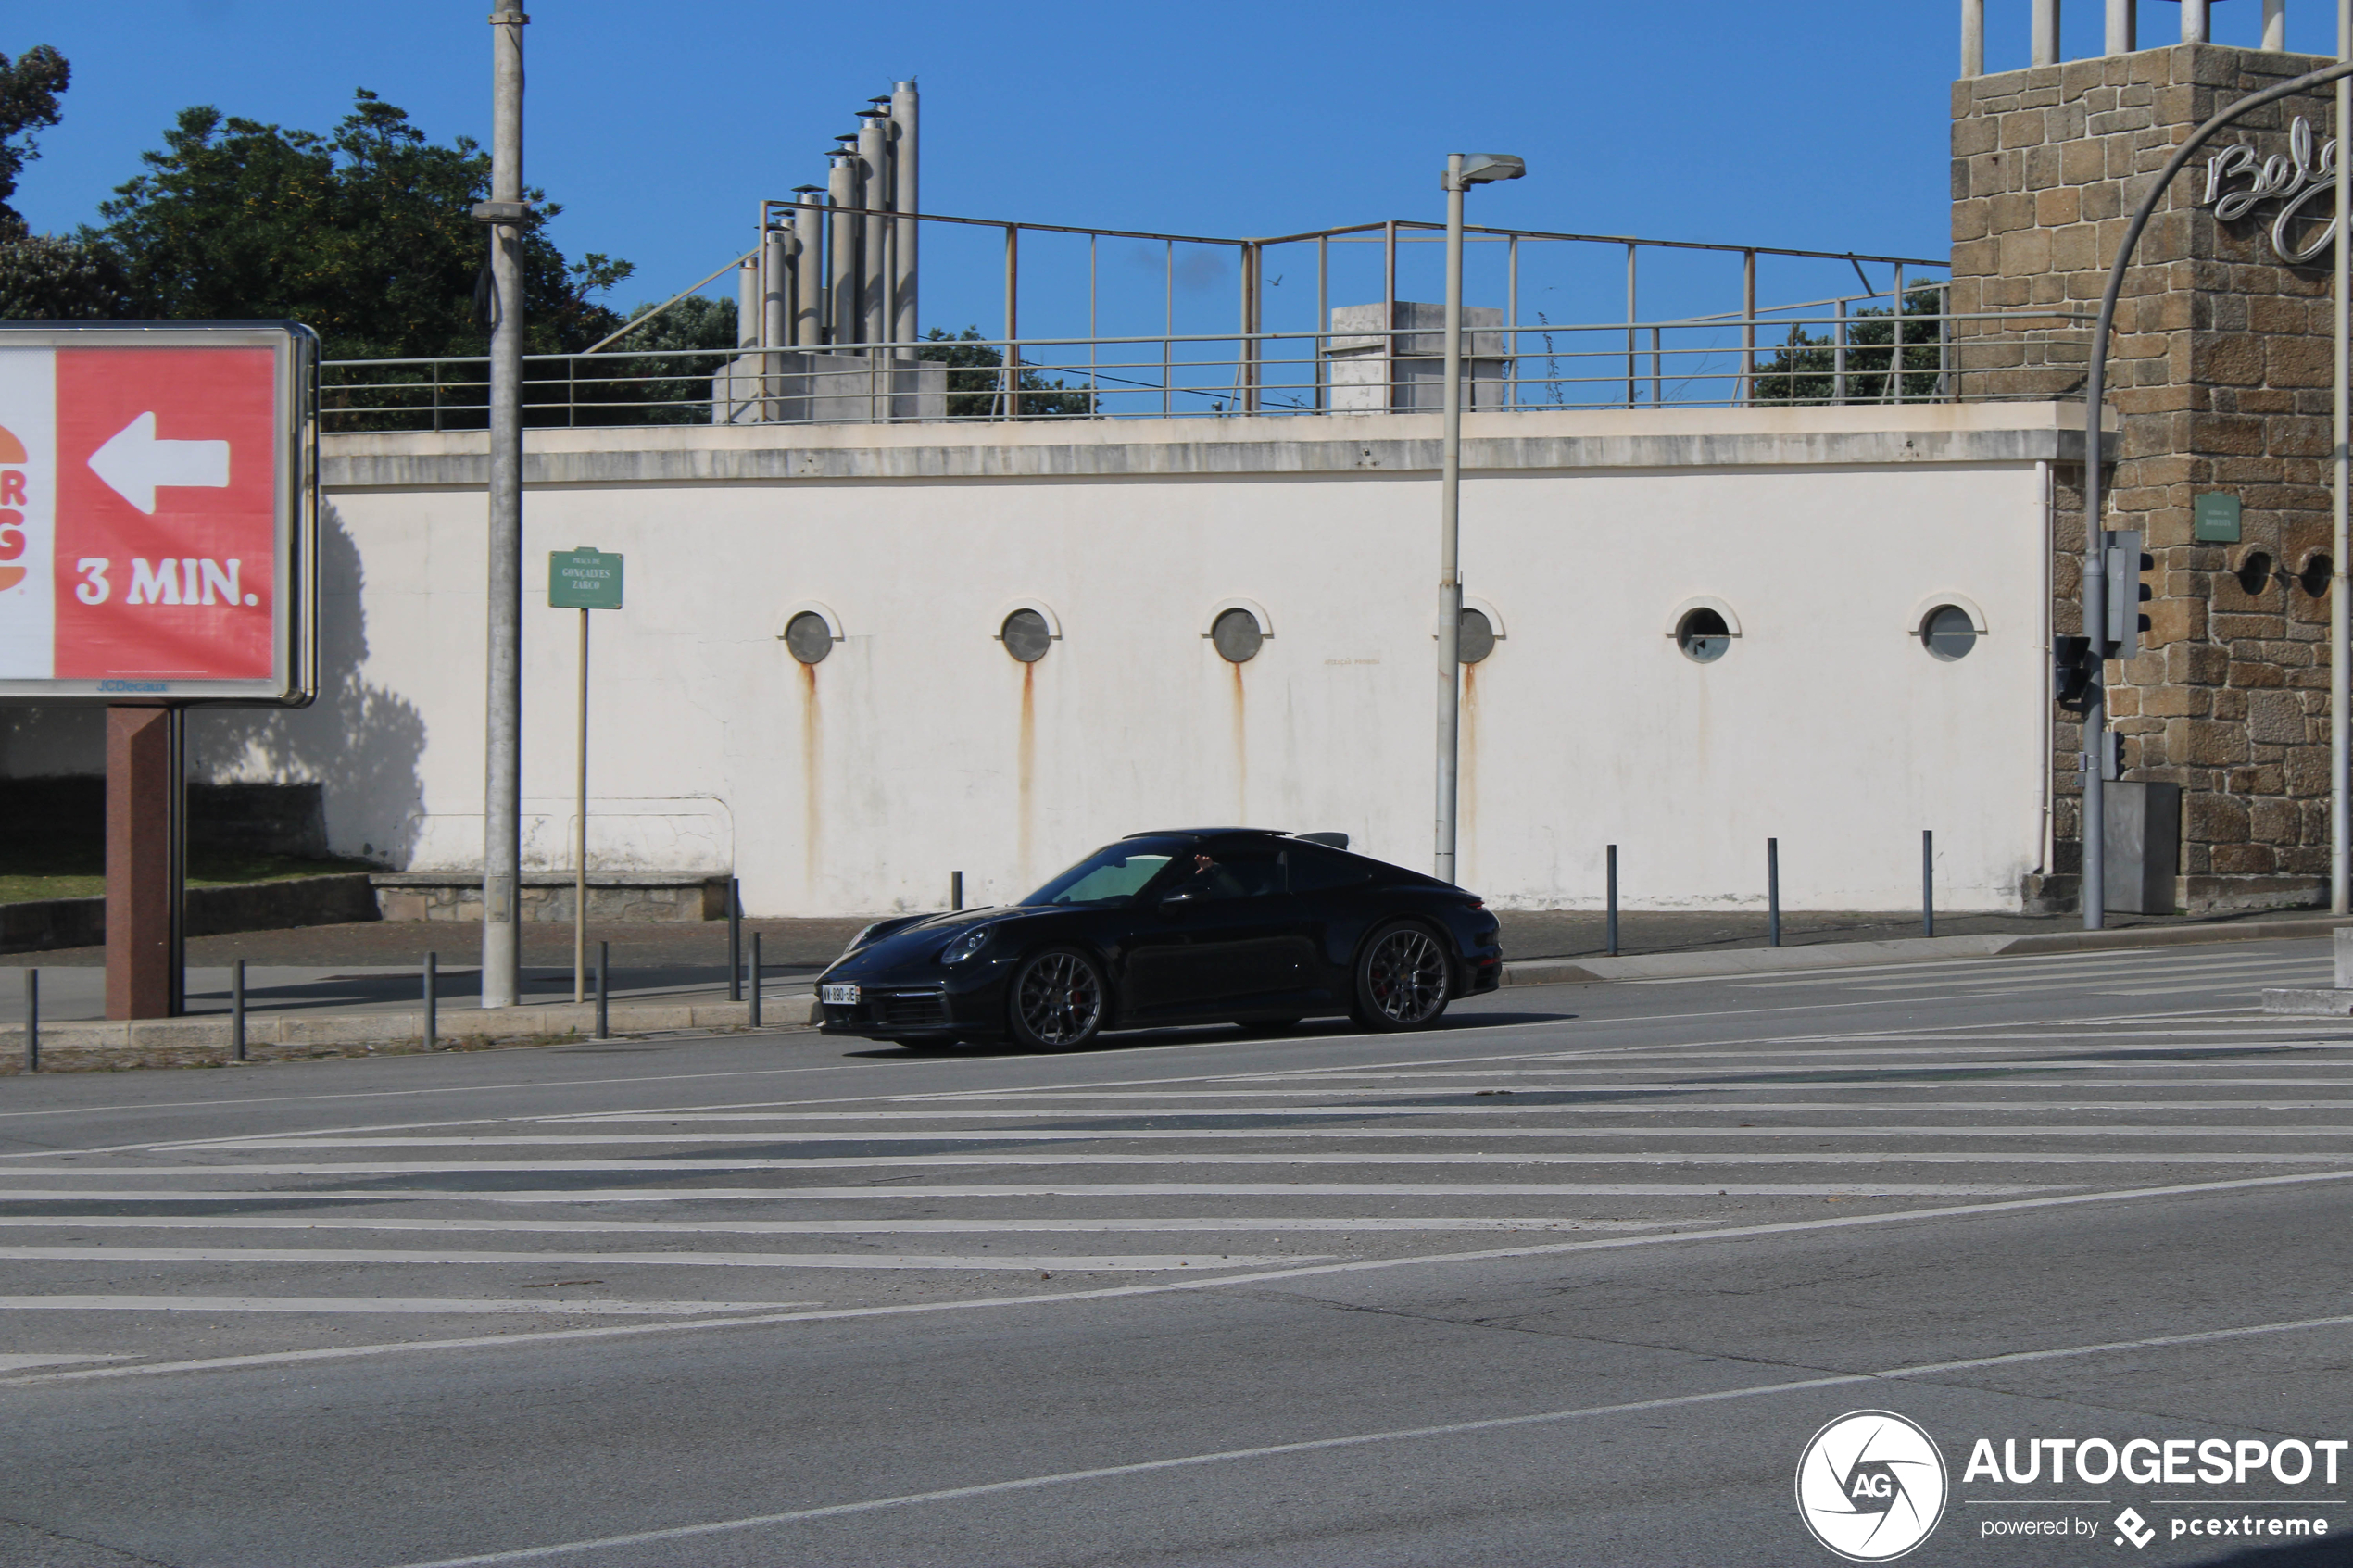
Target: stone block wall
{"type": "Point", "coordinates": [2219, 375]}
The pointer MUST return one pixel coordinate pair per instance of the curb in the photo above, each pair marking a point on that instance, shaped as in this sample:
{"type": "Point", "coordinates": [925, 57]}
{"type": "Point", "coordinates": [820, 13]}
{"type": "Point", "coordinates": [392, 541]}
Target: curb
{"type": "Point", "coordinates": [1905, 949]}
{"type": "Point", "coordinates": [2310, 1002]}
{"type": "Point", "coordinates": [86, 1045]}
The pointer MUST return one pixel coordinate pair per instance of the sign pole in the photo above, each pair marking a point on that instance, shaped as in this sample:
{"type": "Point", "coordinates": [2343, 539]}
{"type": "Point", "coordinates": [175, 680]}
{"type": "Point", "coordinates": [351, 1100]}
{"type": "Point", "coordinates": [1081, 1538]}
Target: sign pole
{"type": "Point", "coordinates": [502, 783]}
{"type": "Point", "coordinates": [580, 836]}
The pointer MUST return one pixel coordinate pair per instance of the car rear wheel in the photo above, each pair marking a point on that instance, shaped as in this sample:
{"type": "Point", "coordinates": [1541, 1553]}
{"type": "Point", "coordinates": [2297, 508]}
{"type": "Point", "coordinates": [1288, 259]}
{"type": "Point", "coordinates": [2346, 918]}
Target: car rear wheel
{"type": "Point", "coordinates": [1400, 979]}
{"type": "Point", "coordinates": [1058, 1000]}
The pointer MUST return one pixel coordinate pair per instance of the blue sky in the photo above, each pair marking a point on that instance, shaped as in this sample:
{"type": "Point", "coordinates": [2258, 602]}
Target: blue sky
{"type": "Point", "coordinates": [1820, 125]}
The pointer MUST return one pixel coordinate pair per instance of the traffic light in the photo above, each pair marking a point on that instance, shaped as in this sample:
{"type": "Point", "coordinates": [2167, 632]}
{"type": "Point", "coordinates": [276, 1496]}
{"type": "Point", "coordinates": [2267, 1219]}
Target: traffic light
{"type": "Point", "coordinates": [2126, 592]}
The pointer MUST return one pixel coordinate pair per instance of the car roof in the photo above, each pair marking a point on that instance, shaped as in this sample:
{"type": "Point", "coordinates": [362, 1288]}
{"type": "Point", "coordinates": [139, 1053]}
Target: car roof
{"type": "Point", "coordinates": [1214, 833]}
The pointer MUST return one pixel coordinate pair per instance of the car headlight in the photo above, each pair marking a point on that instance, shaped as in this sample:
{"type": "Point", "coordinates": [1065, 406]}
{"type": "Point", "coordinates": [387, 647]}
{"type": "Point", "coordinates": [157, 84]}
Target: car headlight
{"type": "Point", "coordinates": [966, 946]}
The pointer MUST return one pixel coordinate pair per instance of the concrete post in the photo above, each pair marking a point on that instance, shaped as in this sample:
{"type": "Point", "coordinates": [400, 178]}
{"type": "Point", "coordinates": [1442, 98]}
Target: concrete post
{"type": "Point", "coordinates": [2194, 24]}
{"type": "Point", "coordinates": [809, 269]}
{"type": "Point", "coordinates": [841, 314]}
{"type": "Point", "coordinates": [2046, 33]}
{"type": "Point", "coordinates": [142, 799]}
{"type": "Point", "coordinates": [905, 200]}
{"type": "Point", "coordinates": [873, 259]}
{"type": "Point", "coordinates": [2276, 25]}
{"type": "Point", "coordinates": [2122, 27]}
{"type": "Point", "coordinates": [502, 792]}
{"type": "Point", "coordinates": [1973, 38]}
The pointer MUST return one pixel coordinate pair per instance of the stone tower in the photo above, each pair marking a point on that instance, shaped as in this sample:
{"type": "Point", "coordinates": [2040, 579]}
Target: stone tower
{"type": "Point", "coordinates": [2219, 380]}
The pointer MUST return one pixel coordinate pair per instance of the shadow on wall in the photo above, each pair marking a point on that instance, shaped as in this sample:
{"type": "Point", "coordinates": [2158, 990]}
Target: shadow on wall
{"type": "Point", "coordinates": [361, 742]}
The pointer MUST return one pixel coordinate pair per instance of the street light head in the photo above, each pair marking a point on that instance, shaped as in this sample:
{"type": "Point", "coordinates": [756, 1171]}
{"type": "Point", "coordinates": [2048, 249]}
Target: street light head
{"type": "Point", "coordinates": [1480, 169]}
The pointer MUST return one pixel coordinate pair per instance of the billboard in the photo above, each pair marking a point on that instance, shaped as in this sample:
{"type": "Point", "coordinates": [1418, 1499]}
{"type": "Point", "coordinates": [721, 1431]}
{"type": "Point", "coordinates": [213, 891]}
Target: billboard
{"type": "Point", "coordinates": [157, 516]}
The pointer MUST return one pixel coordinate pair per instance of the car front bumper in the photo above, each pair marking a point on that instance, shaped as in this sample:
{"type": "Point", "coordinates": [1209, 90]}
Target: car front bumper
{"type": "Point", "coordinates": [920, 1010]}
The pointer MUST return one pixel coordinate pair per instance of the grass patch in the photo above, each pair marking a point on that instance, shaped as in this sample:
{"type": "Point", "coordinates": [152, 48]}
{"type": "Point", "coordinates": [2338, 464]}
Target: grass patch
{"type": "Point", "coordinates": [35, 871]}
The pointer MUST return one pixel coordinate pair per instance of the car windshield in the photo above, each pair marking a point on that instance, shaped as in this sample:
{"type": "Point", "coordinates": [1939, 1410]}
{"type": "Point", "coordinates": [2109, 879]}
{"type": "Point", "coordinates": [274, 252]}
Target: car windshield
{"type": "Point", "coordinates": [1112, 874]}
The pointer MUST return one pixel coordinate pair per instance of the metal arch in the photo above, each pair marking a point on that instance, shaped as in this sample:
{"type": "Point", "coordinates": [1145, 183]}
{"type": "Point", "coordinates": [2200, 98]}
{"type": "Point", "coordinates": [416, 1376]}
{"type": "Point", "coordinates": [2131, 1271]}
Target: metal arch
{"type": "Point", "coordinates": [2094, 599]}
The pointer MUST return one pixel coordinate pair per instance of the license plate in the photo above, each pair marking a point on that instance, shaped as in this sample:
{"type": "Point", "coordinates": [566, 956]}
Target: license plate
{"type": "Point", "coordinates": [837, 995]}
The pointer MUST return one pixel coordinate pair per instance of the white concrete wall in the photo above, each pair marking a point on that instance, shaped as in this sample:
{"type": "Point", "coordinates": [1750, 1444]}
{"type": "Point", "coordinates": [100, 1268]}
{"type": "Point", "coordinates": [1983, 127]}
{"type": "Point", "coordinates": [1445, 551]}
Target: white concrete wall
{"type": "Point", "coordinates": [920, 748]}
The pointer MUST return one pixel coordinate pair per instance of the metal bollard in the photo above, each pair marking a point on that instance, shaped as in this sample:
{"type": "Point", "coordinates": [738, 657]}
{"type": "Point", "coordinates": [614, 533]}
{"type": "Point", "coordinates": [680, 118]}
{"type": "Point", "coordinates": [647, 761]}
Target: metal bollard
{"type": "Point", "coordinates": [237, 1008]}
{"type": "Point", "coordinates": [1772, 893]}
{"type": "Point", "coordinates": [755, 980]}
{"type": "Point", "coordinates": [432, 1001]}
{"type": "Point", "coordinates": [1928, 883]}
{"type": "Point", "coordinates": [955, 890]}
{"type": "Point", "coordinates": [604, 955]}
{"type": "Point", "coordinates": [1613, 900]}
{"type": "Point", "coordinates": [31, 1019]}
{"type": "Point", "coordinates": [735, 941]}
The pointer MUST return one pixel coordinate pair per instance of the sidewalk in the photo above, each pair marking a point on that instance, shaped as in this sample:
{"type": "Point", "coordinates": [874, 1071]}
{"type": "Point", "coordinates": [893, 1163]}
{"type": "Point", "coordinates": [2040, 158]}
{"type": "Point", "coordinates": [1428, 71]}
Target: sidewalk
{"type": "Point", "coordinates": [357, 989]}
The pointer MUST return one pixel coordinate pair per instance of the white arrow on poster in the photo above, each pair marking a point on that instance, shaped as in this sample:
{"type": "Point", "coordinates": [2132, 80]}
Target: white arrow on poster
{"type": "Point", "coordinates": [135, 464]}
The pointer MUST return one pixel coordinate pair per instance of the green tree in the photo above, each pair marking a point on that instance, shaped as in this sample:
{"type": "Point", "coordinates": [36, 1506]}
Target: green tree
{"type": "Point", "coordinates": [976, 381]}
{"type": "Point", "coordinates": [1804, 369]}
{"type": "Point", "coordinates": [45, 278]}
{"type": "Point", "coordinates": [668, 379]}
{"type": "Point", "coordinates": [29, 89]}
{"type": "Point", "coordinates": [363, 234]}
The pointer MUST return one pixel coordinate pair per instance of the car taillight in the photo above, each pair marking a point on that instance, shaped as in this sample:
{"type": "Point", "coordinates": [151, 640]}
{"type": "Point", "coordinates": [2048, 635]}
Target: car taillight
{"type": "Point", "coordinates": [1478, 903]}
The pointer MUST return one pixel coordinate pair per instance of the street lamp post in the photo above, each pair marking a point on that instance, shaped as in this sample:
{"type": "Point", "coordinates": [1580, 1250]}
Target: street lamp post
{"type": "Point", "coordinates": [1463, 171]}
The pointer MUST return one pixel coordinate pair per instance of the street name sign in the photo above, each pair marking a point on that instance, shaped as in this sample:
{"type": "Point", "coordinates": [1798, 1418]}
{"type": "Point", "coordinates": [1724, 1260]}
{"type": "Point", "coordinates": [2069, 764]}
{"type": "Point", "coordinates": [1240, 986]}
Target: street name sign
{"type": "Point", "coordinates": [157, 516]}
{"type": "Point", "coordinates": [584, 579]}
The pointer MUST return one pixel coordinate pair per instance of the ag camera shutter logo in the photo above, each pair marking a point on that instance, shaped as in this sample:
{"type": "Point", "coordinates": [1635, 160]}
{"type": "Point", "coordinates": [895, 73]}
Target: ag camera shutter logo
{"type": "Point", "coordinates": [1870, 1486]}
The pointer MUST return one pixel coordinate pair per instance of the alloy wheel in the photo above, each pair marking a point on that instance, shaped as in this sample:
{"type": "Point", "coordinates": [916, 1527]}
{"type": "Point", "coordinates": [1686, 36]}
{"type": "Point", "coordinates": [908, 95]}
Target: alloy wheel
{"type": "Point", "coordinates": [1059, 999]}
{"type": "Point", "coordinates": [1406, 975]}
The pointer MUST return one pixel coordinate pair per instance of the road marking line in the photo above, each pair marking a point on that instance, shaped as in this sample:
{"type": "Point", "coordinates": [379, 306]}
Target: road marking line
{"type": "Point", "coordinates": [1161, 1287]}
{"type": "Point", "coordinates": [1360, 1439]}
{"type": "Point", "coordinates": [2078, 969]}
{"type": "Point", "coordinates": [1175, 1157]}
{"type": "Point", "coordinates": [1518, 1106]}
{"type": "Point", "coordinates": [1142, 1263]}
{"type": "Point", "coordinates": [24, 1363]}
{"type": "Point", "coordinates": [451, 1306]}
{"type": "Point", "coordinates": [1061, 1189]}
{"type": "Point", "coordinates": [814, 1227]}
{"type": "Point", "coordinates": [1178, 1134]}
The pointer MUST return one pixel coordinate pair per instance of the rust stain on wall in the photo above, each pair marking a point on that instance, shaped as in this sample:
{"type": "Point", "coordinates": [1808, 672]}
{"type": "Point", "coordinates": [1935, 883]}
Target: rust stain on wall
{"type": "Point", "coordinates": [1241, 748]}
{"type": "Point", "coordinates": [1466, 781]}
{"type": "Point", "coordinates": [812, 775]}
{"type": "Point", "coordinates": [1025, 766]}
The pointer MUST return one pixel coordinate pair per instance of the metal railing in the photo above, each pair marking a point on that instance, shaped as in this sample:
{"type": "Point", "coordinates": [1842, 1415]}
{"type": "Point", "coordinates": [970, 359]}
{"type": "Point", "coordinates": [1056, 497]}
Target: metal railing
{"type": "Point", "coordinates": [1843, 351]}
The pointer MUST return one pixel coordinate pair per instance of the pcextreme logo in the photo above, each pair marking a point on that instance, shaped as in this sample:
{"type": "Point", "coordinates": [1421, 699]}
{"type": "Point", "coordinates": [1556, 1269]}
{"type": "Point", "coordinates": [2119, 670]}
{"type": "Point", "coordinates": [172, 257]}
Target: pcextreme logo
{"type": "Point", "coordinates": [1870, 1486]}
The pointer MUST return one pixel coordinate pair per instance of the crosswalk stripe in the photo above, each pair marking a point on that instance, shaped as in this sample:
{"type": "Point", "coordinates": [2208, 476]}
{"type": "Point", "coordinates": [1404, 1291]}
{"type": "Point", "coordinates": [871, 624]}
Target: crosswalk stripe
{"type": "Point", "coordinates": [980, 1162]}
{"type": "Point", "coordinates": [1074, 1189]}
{"type": "Point", "coordinates": [461, 1305]}
{"type": "Point", "coordinates": [1179, 1135]}
{"type": "Point", "coordinates": [1522, 1105]}
{"type": "Point", "coordinates": [628, 1260]}
{"type": "Point", "coordinates": [1130, 1224]}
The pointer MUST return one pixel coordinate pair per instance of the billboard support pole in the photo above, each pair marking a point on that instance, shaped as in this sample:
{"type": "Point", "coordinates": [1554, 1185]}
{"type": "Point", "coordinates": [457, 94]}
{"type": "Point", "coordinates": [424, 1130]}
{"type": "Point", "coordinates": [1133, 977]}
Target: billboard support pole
{"type": "Point", "coordinates": [146, 836]}
{"type": "Point", "coordinates": [502, 804]}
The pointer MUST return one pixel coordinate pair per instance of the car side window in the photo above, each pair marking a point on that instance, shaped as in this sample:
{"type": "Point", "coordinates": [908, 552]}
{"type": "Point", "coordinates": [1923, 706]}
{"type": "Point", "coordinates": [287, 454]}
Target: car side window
{"type": "Point", "coordinates": [1320, 871]}
{"type": "Point", "coordinates": [1235, 873]}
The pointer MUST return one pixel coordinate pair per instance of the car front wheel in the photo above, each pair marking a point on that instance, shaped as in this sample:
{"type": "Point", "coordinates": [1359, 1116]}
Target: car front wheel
{"type": "Point", "coordinates": [1400, 979]}
{"type": "Point", "coordinates": [1058, 1000]}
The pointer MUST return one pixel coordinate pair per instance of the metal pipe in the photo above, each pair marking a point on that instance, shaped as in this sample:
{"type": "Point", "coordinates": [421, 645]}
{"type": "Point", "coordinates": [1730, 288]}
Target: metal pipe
{"type": "Point", "coordinates": [1748, 326]}
{"type": "Point", "coordinates": [841, 251]}
{"type": "Point", "coordinates": [1973, 37]}
{"type": "Point", "coordinates": [1010, 376]}
{"type": "Point", "coordinates": [753, 990]}
{"type": "Point", "coordinates": [1613, 900]}
{"type": "Point", "coordinates": [1928, 883]}
{"type": "Point", "coordinates": [1248, 355]}
{"type": "Point", "coordinates": [31, 1018]}
{"type": "Point", "coordinates": [873, 261]}
{"type": "Point", "coordinates": [1658, 373]}
{"type": "Point", "coordinates": [2122, 25]}
{"type": "Point", "coordinates": [1772, 893]}
{"type": "Point", "coordinates": [502, 783]}
{"type": "Point", "coordinates": [1838, 357]}
{"type": "Point", "coordinates": [604, 960]}
{"type": "Point", "coordinates": [775, 317]}
{"type": "Point", "coordinates": [2340, 523]}
{"type": "Point", "coordinates": [748, 302]}
{"type": "Point", "coordinates": [735, 940]}
{"type": "Point", "coordinates": [1510, 316]}
{"type": "Point", "coordinates": [2275, 27]}
{"type": "Point", "coordinates": [955, 890]}
{"type": "Point", "coordinates": [1389, 310]}
{"type": "Point", "coordinates": [1323, 317]}
{"type": "Point", "coordinates": [237, 1009]}
{"type": "Point", "coordinates": [2045, 28]}
{"type": "Point", "coordinates": [1450, 586]}
{"type": "Point", "coordinates": [1168, 343]}
{"type": "Point", "coordinates": [2197, 25]}
{"type": "Point", "coordinates": [809, 269]}
{"type": "Point", "coordinates": [432, 1001]}
{"type": "Point", "coordinates": [580, 827]}
{"type": "Point", "coordinates": [1632, 317]}
{"type": "Point", "coordinates": [905, 199]}
{"type": "Point", "coordinates": [1895, 341]}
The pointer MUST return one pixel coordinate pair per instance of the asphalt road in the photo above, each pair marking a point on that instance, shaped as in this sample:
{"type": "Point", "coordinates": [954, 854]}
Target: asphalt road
{"type": "Point", "coordinates": [1571, 1280]}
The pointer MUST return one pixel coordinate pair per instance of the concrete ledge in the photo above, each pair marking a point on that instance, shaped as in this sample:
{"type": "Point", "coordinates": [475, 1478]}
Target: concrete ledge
{"type": "Point", "coordinates": [547, 895]}
{"type": "Point", "coordinates": [85, 1045]}
{"type": "Point", "coordinates": [38, 925]}
{"type": "Point", "coordinates": [2310, 1003]}
{"type": "Point", "coordinates": [1909, 950]}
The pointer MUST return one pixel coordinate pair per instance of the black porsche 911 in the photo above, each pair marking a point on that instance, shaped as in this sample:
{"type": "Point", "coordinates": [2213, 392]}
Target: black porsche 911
{"type": "Point", "coordinates": [1194, 926]}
